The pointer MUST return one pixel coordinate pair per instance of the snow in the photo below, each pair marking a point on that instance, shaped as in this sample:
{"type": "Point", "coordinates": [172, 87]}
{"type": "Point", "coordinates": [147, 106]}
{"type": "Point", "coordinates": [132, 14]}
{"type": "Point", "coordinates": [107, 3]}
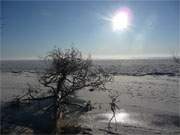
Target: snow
{"type": "Point", "coordinates": [149, 103]}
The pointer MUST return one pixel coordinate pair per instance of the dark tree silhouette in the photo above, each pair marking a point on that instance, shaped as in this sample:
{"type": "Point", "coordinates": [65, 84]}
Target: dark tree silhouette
{"type": "Point", "coordinates": [68, 73]}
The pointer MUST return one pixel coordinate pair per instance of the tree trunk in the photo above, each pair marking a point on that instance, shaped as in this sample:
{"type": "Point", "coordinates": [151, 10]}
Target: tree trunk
{"type": "Point", "coordinates": [57, 107]}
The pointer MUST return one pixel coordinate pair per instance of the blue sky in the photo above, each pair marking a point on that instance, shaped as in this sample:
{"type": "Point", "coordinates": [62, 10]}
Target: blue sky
{"type": "Point", "coordinates": [31, 29]}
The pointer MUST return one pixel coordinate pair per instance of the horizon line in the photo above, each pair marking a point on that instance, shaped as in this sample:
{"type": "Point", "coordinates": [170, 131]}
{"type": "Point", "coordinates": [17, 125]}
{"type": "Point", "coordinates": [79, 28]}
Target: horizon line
{"type": "Point", "coordinates": [98, 58]}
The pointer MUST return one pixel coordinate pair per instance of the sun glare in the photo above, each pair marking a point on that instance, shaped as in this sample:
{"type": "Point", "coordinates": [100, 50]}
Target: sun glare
{"type": "Point", "coordinates": [121, 20]}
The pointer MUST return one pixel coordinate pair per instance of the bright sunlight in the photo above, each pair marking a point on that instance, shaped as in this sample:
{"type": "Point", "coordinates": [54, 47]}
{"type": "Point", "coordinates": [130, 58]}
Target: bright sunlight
{"type": "Point", "coordinates": [121, 20]}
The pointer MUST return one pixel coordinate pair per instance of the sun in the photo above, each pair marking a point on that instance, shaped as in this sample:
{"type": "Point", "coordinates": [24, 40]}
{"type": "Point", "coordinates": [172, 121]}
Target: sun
{"type": "Point", "coordinates": [121, 20]}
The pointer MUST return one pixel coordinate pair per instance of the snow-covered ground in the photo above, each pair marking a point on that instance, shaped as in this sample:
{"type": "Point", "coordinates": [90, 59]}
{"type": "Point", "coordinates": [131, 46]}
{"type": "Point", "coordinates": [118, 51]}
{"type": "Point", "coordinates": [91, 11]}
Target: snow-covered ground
{"type": "Point", "coordinates": [147, 104]}
{"type": "Point", "coordinates": [148, 93]}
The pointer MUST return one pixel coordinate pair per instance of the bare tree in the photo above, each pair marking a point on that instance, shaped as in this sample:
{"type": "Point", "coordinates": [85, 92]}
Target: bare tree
{"type": "Point", "coordinates": [176, 59]}
{"type": "Point", "coordinates": [176, 56]}
{"type": "Point", "coordinates": [68, 73]}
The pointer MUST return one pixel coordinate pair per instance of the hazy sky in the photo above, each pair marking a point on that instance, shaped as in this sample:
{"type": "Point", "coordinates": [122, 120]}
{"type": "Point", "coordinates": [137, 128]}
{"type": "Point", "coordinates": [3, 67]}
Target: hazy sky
{"type": "Point", "coordinates": [31, 29]}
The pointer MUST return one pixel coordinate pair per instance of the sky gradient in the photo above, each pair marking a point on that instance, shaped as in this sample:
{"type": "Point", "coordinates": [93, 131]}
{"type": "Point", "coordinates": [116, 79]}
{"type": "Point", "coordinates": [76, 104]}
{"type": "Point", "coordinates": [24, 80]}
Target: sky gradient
{"type": "Point", "coordinates": [31, 29]}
